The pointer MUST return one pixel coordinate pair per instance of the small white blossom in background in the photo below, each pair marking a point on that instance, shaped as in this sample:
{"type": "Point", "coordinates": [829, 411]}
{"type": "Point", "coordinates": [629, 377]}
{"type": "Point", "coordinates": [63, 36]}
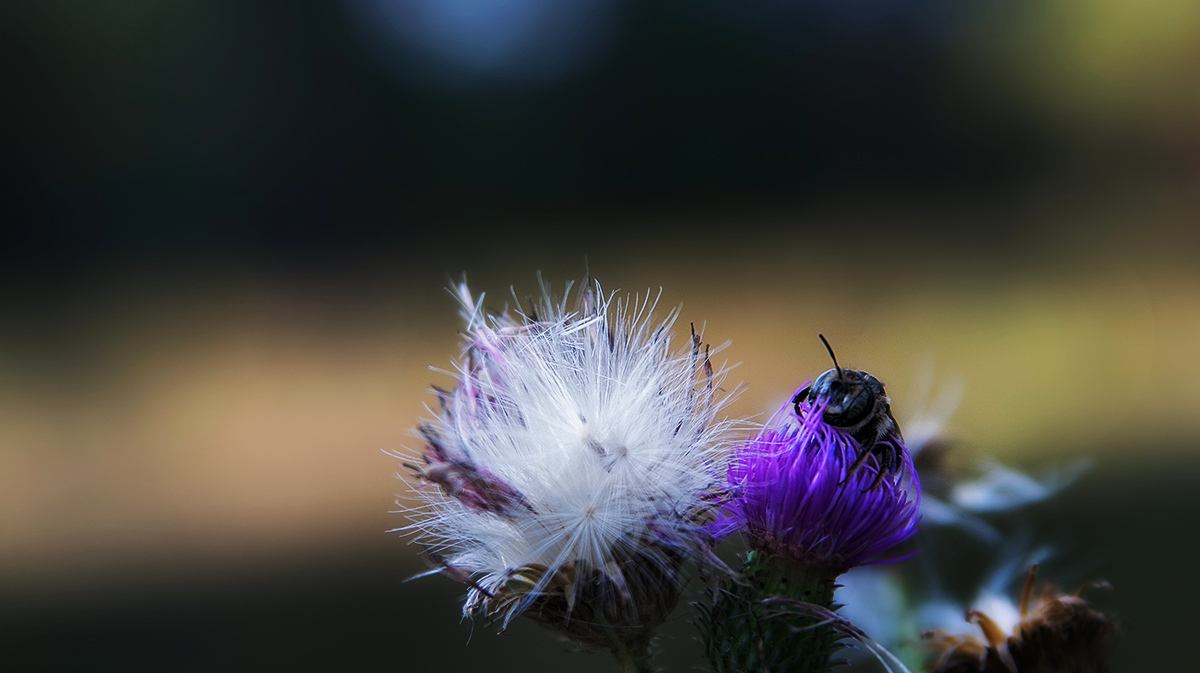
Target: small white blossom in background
{"type": "Point", "coordinates": [994, 596]}
{"type": "Point", "coordinates": [569, 473]}
{"type": "Point", "coordinates": [1002, 488]}
{"type": "Point", "coordinates": [952, 500]}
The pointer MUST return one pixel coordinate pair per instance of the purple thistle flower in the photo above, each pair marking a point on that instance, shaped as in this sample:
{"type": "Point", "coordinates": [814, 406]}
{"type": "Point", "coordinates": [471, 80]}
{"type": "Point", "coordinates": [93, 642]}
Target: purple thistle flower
{"type": "Point", "coordinates": [792, 497]}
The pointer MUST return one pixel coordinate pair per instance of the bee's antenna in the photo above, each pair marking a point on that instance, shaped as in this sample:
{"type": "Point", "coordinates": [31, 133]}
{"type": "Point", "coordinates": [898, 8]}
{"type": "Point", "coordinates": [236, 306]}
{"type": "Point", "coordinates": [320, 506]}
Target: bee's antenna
{"type": "Point", "coordinates": [831, 355]}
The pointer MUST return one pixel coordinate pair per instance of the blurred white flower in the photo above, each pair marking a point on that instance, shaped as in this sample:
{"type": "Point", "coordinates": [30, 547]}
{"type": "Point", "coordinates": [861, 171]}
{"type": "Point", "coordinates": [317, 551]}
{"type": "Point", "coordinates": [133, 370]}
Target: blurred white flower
{"type": "Point", "coordinates": [877, 602]}
{"type": "Point", "coordinates": [575, 463]}
{"type": "Point", "coordinates": [997, 488]}
{"type": "Point", "coordinates": [1002, 488]}
{"type": "Point", "coordinates": [994, 596]}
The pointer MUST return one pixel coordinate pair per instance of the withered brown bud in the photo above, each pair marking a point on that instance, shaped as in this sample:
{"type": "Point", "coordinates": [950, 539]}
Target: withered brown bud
{"type": "Point", "coordinates": [1057, 633]}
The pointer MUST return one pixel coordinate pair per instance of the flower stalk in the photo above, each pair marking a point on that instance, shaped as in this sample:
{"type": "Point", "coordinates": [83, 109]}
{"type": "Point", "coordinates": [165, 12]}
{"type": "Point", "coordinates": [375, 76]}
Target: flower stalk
{"type": "Point", "coordinates": [633, 657]}
{"type": "Point", "coordinates": [752, 623]}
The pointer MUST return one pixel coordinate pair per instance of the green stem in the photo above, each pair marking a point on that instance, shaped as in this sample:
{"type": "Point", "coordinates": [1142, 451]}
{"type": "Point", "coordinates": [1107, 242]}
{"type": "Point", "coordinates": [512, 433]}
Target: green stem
{"type": "Point", "coordinates": [778, 577]}
{"type": "Point", "coordinates": [633, 658]}
{"type": "Point", "coordinates": [745, 630]}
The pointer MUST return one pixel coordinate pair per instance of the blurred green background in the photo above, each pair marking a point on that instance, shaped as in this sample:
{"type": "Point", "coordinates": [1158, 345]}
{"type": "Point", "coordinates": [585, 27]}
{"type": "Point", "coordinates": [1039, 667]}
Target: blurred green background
{"type": "Point", "coordinates": [228, 225]}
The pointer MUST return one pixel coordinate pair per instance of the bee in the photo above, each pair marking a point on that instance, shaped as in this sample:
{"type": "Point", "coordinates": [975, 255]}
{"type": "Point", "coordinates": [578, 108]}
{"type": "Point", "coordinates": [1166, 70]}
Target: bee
{"type": "Point", "coordinates": [856, 402]}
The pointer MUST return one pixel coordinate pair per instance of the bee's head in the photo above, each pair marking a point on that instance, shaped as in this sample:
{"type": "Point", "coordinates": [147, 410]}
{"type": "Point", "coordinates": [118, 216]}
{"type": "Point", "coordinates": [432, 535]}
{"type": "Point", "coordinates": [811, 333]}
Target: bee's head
{"type": "Point", "coordinates": [849, 394]}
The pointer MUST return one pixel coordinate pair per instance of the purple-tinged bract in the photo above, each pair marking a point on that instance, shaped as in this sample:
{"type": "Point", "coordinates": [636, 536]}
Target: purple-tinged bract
{"type": "Point", "coordinates": [792, 498]}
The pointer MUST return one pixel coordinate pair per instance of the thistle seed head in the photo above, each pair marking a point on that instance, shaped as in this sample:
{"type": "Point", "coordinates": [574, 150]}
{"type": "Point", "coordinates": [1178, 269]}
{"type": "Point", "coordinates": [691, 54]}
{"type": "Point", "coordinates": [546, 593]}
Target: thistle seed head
{"type": "Point", "coordinates": [568, 473]}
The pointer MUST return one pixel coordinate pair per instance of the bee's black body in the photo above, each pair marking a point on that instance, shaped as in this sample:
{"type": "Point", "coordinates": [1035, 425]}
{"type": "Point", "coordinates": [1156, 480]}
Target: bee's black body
{"type": "Point", "coordinates": [855, 401]}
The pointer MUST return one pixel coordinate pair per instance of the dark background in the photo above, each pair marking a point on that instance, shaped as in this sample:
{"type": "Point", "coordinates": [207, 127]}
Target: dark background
{"type": "Point", "coordinates": [227, 226]}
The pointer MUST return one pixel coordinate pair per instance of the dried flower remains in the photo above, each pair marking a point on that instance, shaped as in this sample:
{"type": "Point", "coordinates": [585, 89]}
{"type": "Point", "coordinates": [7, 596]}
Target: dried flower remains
{"type": "Point", "coordinates": [1054, 633]}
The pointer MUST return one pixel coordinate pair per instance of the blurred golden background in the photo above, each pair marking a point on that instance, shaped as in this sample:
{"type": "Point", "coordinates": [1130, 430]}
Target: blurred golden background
{"type": "Point", "coordinates": [232, 224]}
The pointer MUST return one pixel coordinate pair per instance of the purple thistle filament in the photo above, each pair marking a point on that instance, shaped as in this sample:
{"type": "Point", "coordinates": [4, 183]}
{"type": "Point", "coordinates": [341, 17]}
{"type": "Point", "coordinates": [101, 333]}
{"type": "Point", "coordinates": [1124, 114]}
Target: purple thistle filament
{"type": "Point", "coordinates": [792, 499]}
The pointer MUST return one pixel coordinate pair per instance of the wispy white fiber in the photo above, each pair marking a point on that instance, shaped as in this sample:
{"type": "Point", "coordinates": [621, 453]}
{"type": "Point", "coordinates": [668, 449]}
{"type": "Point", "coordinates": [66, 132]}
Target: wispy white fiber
{"type": "Point", "coordinates": [579, 434]}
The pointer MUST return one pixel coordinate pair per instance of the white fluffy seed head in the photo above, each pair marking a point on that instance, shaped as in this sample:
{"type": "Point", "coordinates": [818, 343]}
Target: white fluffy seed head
{"type": "Point", "coordinates": [576, 459]}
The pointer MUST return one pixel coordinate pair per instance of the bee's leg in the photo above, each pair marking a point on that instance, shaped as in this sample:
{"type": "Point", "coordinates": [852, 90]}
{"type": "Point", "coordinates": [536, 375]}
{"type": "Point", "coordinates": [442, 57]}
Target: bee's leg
{"type": "Point", "coordinates": [863, 454]}
{"type": "Point", "coordinates": [886, 460]}
{"type": "Point", "coordinates": [800, 398]}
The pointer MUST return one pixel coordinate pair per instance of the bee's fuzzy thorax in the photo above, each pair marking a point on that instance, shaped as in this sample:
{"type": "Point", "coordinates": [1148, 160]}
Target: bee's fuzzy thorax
{"type": "Point", "coordinates": [567, 473]}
